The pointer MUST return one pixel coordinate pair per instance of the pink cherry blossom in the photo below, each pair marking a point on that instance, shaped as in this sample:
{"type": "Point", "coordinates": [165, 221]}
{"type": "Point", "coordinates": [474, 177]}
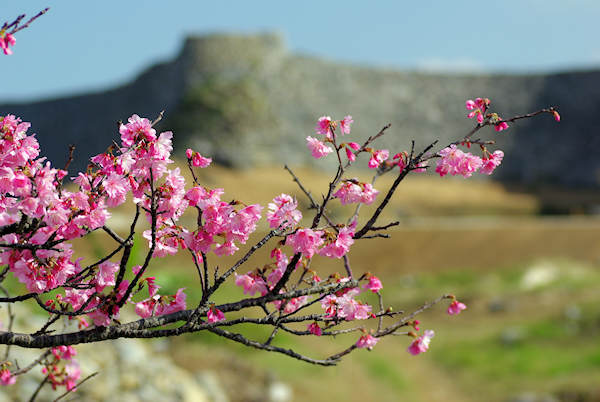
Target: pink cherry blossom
{"type": "Point", "coordinates": [214, 315]}
{"type": "Point", "coordinates": [456, 307]}
{"type": "Point", "coordinates": [324, 127]}
{"type": "Point", "coordinates": [317, 148]}
{"type": "Point", "coordinates": [137, 129]}
{"type": "Point", "coordinates": [491, 162]}
{"type": "Point", "coordinates": [350, 155]}
{"type": "Point", "coordinates": [352, 309]}
{"type": "Point", "coordinates": [345, 124]}
{"type": "Point", "coordinates": [291, 305]}
{"type": "Point", "coordinates": [341, 244]}
{"type": "Point", "coordinates": [374, 284]}
{"type": "Point", "coordinates": [277, 273]}
{"type": "Point", "coordinates": [64, 352]}
{"type": "Point", "coordinates": [251, 283]}
{"type": "Point", "coordinates": [500, 126]}
{"type": "Point", "coordinates": [227, 248]}
{"type": "Point", "coordinates": [6, 377]}
{"type": "Point", "coordinates": [367, 341]}
{"type": "Point", "coordinates": [352, 191]}
{"type": "Point", "coordinates": [197, 159]}
{"type": "Point", "coordinates": [330, 304]}
{"type": "Point", "coordinates": [176, 304]}
{"type": "Point", "coordinates": [556, 115]}
{"type": "Point", "coordinates": [315, 329]}
{"type": "Point", "coordinates": [7, 40]}
{"type": "Point", "coordinates": [477, 113]}
{"type": "Point", "coordinates": [116, 186]}
{"type": "Point", "coordinates": [454, 161]}
{"type": "Point", "coordinates": [106, 275]}
{"type": "Point", "coordinates": [369, 194]}
{"type": "Point", "coordinates": [72, 374]}
{"type": "Point", "coordinates": [378, 157]}
{"type": "Point", "coordinates": [479, 106]}
{"type": "Point", "coordinates": [305, 241]}
{"type": "Point", "coordinates": [421, 344]}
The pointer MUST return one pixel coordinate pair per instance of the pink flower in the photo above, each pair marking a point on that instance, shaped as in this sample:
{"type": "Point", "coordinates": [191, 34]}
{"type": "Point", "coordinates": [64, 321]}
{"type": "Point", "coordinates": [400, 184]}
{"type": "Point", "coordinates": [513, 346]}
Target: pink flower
{"type": "Point", "coordinates": [214, 315]}
{"type": "Point", "coordinates": [340, 246]}
{"type": "Point", "coordinates": [283, 211]}
{"type": "Point", "coordinates": [469, 165]}
{"type": "Point", "coordinates": [318, 148]}
{"type": "Point", "coordinates": [116, 187]}
{"type": "Point", "coordinates": [137, 129]}
{"type": "Point", "coordinates": [330, 304]}
{"type": "Point", "coordinates": [374, 284]}
{"type": "Point", "coordinates": [421, 344]}
{"type": "Point", "coordinates": [454, 161]}
{"type": "Point", "coordinates": [315, 329]}
{"type": "Point", "coordinates": [305, 241]}
{"type": "Point", "coordinates": [369, 194]}
{"type": "Point", "coordinates": [556, 115]}
{"type": "Point", "coordinates": [6, 377]}
{"type": "Point", "coordinates": [477, 113]}
{"type": "Point", "coordinates": [291, 305]}
{"type": "Point", "coordinates": [491, 162]}
{"type": "Point", "coordinates": [456, 307]}
{"type": "Point", "coordinates": [352, 191]}
{"type": "Point", "coordinates": [500, 126]}
{"type": "Point", "coordinates": [479, 107]}
{"type": "Point", "coordinates": [252, 283]}
{"type": "Point", "coordinates": [177, 304]}
{"type": "Point", "coordinates": [345, 124]}
{"type": "Point", "coordinates": [352, 309]}
{"type": "Point", "coordinates": [422, 167]}
{"type": "Point", "coordinates": [378, 157]}
{"type": "Point", "coordinates": [106, 275]}
{"type": "Point", "coordinates": [7, 40]}
{"type": "Point", "coordinates": [350, 155]}
{"type": "Point", "coordinates": [227, 248]}
{"type": "Point", "coordinates": [197, 159]}
{"type": "Point", "coordinates": [367, 341]}
{"type": "Point", "coordinates": [64, 352]}
{"type": "Point", "coordinates": [324, 127]}
{"type": "Point", "coordinates": [72, 374]}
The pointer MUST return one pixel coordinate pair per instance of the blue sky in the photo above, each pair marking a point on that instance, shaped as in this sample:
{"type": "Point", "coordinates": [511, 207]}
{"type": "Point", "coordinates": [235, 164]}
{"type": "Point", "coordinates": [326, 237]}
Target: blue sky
{"type": "Point", "coordinates": [81, 46]}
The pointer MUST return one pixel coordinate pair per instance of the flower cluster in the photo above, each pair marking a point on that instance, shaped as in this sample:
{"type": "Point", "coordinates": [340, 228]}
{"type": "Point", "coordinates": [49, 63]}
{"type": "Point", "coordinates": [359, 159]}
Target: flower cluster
{"type": "Point", "coordinates": [62, 374]}
{"type": "Point", "coordinates": [6, 40]}
{"type": "Point", "coordinates": [454, 161]}
{"type": "Point", "coordinates": [30, 190]}
{"type": "Point", "coordinates": [352, 191]}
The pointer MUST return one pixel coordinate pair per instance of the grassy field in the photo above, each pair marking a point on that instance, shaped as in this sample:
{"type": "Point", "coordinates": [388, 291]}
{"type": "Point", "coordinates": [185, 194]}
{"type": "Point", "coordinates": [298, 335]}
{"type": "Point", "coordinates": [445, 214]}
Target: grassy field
{"type": "Point", "coordinates": [531, 283]}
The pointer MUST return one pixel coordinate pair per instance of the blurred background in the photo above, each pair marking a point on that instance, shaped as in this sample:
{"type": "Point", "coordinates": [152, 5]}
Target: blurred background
{"type": "Point", "coordinates": [245, 82]}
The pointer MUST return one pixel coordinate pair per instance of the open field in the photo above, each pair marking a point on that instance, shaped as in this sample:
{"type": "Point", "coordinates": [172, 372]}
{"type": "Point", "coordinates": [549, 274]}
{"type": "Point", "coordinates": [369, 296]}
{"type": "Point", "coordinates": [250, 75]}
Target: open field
{"type": "Point", "coordinates": [531, 283]}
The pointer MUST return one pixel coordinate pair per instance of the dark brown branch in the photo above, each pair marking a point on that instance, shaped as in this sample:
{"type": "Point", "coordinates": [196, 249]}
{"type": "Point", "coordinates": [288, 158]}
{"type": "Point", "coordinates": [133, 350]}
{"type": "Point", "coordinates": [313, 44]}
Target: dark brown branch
{"type": "Point", "coordinates": [288, 352]}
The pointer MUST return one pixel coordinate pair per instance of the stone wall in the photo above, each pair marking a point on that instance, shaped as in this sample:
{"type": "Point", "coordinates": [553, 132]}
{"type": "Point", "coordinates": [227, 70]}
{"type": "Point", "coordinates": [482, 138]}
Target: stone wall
{"type": "Point", "coordinates": [246, 101]}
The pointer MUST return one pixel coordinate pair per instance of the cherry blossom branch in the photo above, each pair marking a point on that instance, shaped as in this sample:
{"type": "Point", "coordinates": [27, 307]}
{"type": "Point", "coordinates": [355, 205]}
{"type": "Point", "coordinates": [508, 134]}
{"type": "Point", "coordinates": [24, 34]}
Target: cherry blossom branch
{"type": "Point", "coordinates": [77, 385]}
{"type": "Point", "coordinates": [257, 345]}
{"type": "Point", "coordinates": [411, 165]}
{"type": "Point", "coordinates": [33, 364]}
{"type": "Point", "coordinates": [16, 22]}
